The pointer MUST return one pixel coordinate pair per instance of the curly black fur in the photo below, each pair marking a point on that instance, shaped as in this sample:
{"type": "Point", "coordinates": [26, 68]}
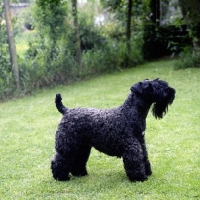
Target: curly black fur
{"type": "Point", "coordinates": [115, 132]}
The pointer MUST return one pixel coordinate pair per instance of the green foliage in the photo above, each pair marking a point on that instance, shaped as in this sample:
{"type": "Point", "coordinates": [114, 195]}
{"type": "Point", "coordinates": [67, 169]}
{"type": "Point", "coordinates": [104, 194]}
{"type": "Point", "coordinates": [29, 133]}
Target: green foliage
{"type": "Point", "coordinates": [48, 58]}
{"type": "Point", "coordinates": [109, 58]}
{"type": "Point", "coordinates": [90, 33]}
{"type": "Point", "coordinates": [164, 41]}
{"type": "Point", "coordinates": [188, 59]}
{"type": "Point", "coordinates": [51, 17]}
{"type": "Point", "coordinates": [27, 137]}
{"type": "Point", "coordinates": [109, 50]}
{"type": "Point", "coordinates": [4, 52]}
{"type": "Point", "coordinates": [112, 56]}
{"type": "Point", "coordinates": [6, 79]}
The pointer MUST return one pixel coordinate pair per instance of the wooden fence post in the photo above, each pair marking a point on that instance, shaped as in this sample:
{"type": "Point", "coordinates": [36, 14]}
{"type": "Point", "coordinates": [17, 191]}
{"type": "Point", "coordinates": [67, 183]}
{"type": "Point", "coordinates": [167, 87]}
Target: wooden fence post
{"type": "Point", "coordinates": [12, 48]}
{"type": "Point", "coordinates": [77, 36]}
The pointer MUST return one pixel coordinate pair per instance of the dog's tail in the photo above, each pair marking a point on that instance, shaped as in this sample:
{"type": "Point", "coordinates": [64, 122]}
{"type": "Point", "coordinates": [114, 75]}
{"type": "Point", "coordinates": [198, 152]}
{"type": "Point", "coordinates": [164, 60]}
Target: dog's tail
{"type": "Point", "coordinates": [61, 108]}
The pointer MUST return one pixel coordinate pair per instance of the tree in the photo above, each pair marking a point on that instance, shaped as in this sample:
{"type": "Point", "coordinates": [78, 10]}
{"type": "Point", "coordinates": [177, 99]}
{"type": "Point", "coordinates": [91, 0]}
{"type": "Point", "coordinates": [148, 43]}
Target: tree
{"type": "Point", "coordinates": [191, 13]}
{"type": "Point", "coordinates": [125, 8]}
{"type": "Point", "coordinates": [76, 32]}
{"type": "Point", "coordinates": [132, 10]}
{"type": "Point", "coordinates": [128, 30]}
{"type": "Point", "coordinates": [13, 55]}
{"type": "Point", "coordinates": [52, 12]}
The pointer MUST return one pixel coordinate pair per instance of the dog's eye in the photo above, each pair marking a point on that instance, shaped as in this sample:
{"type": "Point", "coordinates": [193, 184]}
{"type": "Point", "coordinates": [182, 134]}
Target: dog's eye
{"type": "Point", "coordinates": [167, 89]}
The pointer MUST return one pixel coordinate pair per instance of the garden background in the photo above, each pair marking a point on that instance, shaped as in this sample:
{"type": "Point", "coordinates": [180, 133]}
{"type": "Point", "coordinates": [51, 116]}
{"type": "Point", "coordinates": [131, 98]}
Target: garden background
{"type": "Point", "coordinates": [92, 54]}
{"type": "Point", "coordinates": [58, 42]}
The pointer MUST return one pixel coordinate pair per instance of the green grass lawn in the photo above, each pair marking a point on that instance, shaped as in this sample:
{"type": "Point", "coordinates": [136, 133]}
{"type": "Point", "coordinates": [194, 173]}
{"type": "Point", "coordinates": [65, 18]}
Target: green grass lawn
{"type": "Point", "coordinates": [27, 136]}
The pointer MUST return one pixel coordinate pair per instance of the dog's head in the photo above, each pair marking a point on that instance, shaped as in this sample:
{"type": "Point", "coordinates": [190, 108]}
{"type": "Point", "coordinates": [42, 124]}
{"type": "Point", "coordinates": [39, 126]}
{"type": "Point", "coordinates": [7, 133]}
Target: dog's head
{"type": "Point", "coordinates": [156, 92]}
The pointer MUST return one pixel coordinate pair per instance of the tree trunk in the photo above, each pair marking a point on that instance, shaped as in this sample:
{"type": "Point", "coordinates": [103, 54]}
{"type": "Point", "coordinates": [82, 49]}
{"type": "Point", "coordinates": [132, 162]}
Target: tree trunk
{"type": "Point", "coordinates": [128, 31]}
{"type": "Point", "coordinates": [12, 48]}
{"type": "Point", "coordinates": [77, 36]}
{"type": "Point", "coordinates": [191, 13]}
{"type": "Point", "coordinates": [196, 41]}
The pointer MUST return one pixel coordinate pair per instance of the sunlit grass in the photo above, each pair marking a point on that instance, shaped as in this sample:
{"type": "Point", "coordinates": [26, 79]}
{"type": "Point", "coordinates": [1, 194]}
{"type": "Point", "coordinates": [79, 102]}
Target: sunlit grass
{"type": "Point", "coordinates": [27, 136]}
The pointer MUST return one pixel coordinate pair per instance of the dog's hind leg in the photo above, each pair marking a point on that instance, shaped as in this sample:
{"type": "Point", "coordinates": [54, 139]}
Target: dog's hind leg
{"type": "Point", "coordinates": [64, 158]}
{"type": "Point", "coordinates": [79, 165]}
{"type": "Point", "coordinates": [60, 168]}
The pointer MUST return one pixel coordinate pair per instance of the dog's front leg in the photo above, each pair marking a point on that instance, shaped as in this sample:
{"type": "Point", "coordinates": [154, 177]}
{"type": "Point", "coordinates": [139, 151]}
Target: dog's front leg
{"type": "Point", "coordinates": [133, 159]}
{"type": "Point", "coordinates": [146, 160]}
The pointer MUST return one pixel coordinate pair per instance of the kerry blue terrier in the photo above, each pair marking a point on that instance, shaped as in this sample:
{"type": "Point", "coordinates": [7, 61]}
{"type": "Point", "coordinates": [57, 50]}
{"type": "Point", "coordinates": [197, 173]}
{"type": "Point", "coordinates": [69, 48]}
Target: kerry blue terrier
{"type": "Point", "coordinates": [115, 132]}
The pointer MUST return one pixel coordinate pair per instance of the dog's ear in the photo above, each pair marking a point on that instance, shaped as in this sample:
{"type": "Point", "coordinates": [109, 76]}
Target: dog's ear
{"type": "Point", "coordinates": [150, 85]}
{"type": "Point", "coordinates": [137, 87]}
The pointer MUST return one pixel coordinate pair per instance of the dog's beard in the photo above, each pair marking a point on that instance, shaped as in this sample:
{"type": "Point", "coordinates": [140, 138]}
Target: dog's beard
{"type": "Point", "coordinates": [159, 109]}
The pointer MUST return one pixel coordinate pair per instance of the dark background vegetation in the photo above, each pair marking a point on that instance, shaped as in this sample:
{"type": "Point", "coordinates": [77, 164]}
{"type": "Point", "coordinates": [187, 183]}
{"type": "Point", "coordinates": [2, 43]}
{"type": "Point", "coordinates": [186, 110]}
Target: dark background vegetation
{"type": "Point", "coordinates": [64, 44]}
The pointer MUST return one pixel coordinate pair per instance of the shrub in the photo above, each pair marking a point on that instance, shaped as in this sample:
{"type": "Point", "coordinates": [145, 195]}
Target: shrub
{"type": "Point", "coordinates": [188, 59]}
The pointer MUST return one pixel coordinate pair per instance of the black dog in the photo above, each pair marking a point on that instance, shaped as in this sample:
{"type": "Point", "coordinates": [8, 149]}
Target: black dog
{"type": "Point", "coordinates": [115, 132]}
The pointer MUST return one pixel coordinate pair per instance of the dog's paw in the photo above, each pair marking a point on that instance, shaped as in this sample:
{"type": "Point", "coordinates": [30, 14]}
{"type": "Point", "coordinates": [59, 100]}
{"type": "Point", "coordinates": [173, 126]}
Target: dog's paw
{"type": "Point", "coordinates": [138, 178]}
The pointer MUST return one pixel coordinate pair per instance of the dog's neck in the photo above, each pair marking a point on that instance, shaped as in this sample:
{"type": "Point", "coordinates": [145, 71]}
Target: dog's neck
{"type": "Point", "coordinates": [135, 101]}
